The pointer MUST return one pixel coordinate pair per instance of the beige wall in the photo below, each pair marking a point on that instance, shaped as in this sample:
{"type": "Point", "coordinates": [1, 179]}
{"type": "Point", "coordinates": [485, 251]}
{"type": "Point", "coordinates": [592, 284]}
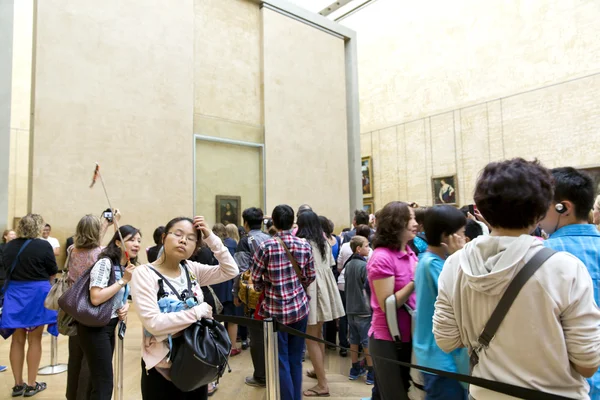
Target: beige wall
{"type": "Point", "coordinates": [447, 87]}
{"type": "Point", "coordinates": [305, 117]}
{"type": "Point", "coordinates": [114, 84]}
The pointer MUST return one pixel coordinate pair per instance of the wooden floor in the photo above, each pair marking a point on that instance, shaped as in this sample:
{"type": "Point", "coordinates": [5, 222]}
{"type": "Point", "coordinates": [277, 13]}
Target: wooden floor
{"type": "Point", "coordinates": [231, 385]}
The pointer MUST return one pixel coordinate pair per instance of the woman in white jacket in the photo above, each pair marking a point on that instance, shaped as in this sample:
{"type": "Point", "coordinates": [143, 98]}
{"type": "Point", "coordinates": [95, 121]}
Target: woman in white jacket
{"type": "Point", "coordinates": [550, 338]}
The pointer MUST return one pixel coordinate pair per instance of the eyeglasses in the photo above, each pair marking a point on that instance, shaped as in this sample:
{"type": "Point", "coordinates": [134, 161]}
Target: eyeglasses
{"type": "Point", "coordinates": [179, 235]}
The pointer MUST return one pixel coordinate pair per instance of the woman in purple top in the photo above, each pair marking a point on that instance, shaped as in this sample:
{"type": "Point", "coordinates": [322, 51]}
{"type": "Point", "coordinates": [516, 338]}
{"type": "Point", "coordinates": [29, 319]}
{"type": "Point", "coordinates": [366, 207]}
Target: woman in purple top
{"type": "Point", "coordinates": [391, 271]}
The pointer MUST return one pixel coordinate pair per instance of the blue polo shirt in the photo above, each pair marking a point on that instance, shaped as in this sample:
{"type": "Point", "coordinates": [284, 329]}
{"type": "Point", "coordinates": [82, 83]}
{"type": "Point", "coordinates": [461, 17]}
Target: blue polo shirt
{"type": "Point", "coordinates": [426, 350]}
{"type": "Point", "coordinates": [583, 241]}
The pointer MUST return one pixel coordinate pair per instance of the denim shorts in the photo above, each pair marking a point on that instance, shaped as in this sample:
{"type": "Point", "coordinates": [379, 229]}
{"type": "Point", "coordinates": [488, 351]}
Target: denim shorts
{"type": "Point", "coordinates": [359, 330]}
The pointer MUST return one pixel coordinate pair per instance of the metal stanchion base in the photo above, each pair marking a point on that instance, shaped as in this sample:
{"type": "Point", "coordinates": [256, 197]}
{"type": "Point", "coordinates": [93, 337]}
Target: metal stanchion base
{"type": "Point", "coordinates": [52, 369]}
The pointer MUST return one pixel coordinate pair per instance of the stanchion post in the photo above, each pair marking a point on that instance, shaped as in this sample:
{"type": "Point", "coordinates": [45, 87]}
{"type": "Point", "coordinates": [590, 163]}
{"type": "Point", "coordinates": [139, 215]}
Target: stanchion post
{"type": "Point", "coordinates": [54, 367]}
{"type": "Point", "coordinates": [118, 388]}
{"type": "Point", "coordinates": [271, 359]}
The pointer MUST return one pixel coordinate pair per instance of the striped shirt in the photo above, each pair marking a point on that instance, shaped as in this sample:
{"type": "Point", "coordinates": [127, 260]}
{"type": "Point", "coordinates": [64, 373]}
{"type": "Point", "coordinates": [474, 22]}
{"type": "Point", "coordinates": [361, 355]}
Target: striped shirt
{"type": "Point", "coordinates": [285, 298]}
{"type": "Point", "coordinates": [583, 241]}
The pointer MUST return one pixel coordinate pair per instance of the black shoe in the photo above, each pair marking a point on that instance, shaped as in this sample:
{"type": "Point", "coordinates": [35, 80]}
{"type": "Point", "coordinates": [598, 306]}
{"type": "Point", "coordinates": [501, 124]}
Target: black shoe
{"type": "Point", "coordinates": [343, 353]}
{"type": "Point", "coordinates": [33, 390]}
{"type": "Point", "coordinates": [18, 390]}
{"type": "Point", "coordinates": [252, 381]}
{"type": "Point", "coordinates": [330, 347]}
{"type": "Point", "coordinates": [244, 344]}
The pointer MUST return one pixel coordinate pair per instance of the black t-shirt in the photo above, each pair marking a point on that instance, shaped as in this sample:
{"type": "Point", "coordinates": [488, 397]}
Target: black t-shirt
{"type": "Point", "coordinates": [36, 262]}
{"type": "Point", "coordinates": [153, 253]}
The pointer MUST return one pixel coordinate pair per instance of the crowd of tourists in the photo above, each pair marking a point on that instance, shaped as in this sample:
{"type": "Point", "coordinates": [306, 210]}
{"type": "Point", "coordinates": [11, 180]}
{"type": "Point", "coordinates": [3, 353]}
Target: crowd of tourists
{"type": "Point", "coordinates": [409, 284]}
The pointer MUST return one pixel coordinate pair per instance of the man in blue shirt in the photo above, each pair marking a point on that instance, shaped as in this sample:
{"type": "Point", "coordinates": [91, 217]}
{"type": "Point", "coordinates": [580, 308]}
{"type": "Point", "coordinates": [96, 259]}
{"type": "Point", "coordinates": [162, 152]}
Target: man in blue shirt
{"type": "Point", "coordinates": [567, 224]}
{"type": "Point", "coordinates": [445, 230]}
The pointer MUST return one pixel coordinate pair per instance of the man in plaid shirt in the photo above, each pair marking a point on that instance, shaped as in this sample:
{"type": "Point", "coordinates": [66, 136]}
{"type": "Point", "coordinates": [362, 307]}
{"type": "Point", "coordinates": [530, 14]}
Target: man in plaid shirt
{"type": "Point", "coordinates": [285, 297]}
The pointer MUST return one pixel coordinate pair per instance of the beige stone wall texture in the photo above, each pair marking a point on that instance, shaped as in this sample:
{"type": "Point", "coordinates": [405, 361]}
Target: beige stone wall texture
{"type": "Point", "coordinates": [559, 125]}
{"type": "Point", "coordinates": [113, 84]}
{"type": "Point", "coordinates": [305, 118]}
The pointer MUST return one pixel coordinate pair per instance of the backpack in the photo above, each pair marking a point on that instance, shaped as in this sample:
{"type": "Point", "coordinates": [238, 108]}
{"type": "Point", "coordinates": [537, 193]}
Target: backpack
{"type": "Point", "coordinates": [247, 294]}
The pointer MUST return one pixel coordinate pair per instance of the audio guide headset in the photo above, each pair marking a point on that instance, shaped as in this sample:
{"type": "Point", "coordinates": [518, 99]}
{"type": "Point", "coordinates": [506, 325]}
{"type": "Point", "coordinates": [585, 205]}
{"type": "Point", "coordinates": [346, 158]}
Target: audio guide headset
{"type": "Point", "coordinates": [560, 208]}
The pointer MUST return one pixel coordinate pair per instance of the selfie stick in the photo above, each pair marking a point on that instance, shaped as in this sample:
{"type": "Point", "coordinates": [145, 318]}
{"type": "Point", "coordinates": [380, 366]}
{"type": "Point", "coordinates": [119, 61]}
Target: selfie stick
{"type": "Point", "coordinates": [98, 175]}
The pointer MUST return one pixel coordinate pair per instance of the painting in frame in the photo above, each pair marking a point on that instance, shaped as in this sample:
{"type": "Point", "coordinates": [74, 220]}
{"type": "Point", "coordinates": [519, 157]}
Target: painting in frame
{"type": "Point", "coordinates": [445, 190]}
{"type": "Point", "coordinates": [368, 206]}
{"type": "Point", "coordinates": [229, 209]}
{"type": "Point", "coordinates": [366, 169]}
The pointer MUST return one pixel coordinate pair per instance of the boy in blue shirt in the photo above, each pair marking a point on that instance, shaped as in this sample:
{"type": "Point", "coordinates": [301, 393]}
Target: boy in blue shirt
{"type": "Point", "coordinates": [445, 230]}
{"type": "Point", "coordinates": [567, 224]}
{"type": "Point", "coordinates": [357, 306]}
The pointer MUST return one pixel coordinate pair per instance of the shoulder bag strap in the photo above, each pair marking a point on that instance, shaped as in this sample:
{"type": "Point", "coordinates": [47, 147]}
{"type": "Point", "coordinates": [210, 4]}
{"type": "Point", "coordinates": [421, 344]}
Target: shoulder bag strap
{"type": "Point", "coordinates": [507, 300]}
{"type": "Point", "coordinates": [165, 280]}
{"type": "Point", "coordinates": [187, 276]}
{"type": "Point", "coordinates": [14, 264]}
{"type": "Point", "coordinates": [292, 259]}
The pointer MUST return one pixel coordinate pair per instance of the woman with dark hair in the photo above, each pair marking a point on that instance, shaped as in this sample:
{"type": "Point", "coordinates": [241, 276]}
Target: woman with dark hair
{"type": "Point", "coordinates": [24, 315]}
{"type": "Point", "coordinates": [325, 302]}
{"type": "Point", "coordinates": [82, 255]}
{"type": "Point", "coordinates": [181, 239]}
{"type": "Point", "coordinates": [152, 252]}
{"type": "Point", "coordinates": [391, 270]}
{"type": "Point", "coordinates": [98, 343]}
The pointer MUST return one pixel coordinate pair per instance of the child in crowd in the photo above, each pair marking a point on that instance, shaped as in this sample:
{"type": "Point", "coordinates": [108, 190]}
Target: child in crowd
{"type": "Point", "coordinates": [357, 306]}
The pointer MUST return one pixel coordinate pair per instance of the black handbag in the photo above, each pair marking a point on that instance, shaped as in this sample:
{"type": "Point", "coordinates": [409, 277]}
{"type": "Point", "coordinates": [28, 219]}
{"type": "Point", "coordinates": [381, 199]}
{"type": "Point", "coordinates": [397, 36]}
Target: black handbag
{"type": "Point", "coordinates": [76, 302]}
{"type": "Point", "coordinates": [199, 356]}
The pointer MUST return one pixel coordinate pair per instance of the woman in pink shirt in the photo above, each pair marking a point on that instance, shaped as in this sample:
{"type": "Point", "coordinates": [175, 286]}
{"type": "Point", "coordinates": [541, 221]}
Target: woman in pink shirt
{"type": "Point", "coordinates": [181, 239]}
{"type": "Point", "coordinates": [391, 271]}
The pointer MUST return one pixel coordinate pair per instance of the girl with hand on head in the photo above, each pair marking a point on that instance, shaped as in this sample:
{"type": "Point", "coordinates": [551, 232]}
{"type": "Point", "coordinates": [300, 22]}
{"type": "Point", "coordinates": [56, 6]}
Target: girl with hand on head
{"type": "Point", "coordinates": [98, 343]}
{"type": "Point", "coordinates": [182, 237]}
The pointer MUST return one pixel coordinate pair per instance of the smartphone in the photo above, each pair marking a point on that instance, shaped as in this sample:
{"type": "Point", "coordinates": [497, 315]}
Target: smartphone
{"type": "Point", "coordinates": [122, 329]}
{"type": "Point", "coordinates": [472, 209]}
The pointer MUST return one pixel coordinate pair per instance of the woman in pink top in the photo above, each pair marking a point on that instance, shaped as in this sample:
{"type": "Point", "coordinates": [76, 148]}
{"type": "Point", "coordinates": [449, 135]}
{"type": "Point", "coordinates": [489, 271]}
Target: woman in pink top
{"type": "Point", "coordinates": [391, 271]}
{"type": "Point", "coordinates": [181, 239]}
{"type": "Point", "coordinates": [82, 256]}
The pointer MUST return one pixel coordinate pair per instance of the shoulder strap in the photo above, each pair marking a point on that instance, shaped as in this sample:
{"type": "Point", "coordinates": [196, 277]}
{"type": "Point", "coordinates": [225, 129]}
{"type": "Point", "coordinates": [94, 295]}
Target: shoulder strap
{"type": "Point", "coordinates": [508, 298]}
{"type": "Point", "coordinates": [14, 264]}
{"type": "Point", "coordinates": [165, 280]}
{"type": "Point", "coordinates": [292, 259]}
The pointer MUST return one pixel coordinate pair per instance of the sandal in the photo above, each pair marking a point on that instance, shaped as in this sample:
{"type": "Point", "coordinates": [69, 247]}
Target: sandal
{"type": "Point", "coordinates": [212, 388]}
{"type": "Point", "coordinates": [18, 390]}
{"type": "Point", "coordinates": [311, 374]}
{"type": "Point", "coordinates": [314, 393]}
{"type": "Point", "coordinates": [33, 390]}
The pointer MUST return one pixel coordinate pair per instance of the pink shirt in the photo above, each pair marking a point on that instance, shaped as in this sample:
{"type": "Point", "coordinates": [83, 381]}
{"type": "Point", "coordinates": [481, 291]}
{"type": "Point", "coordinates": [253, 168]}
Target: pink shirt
{"type": "Point", "coordinates": [385, 263]}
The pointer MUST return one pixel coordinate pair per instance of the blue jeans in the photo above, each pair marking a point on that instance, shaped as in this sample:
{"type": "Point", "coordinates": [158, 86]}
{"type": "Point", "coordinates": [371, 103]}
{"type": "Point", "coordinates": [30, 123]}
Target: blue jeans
{"type": "Point", "coordinates": [439, 387]}
{"type": "Point", "coordinates": [290, 362]}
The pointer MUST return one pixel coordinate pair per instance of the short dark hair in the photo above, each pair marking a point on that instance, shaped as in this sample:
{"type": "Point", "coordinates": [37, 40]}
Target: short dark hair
{"type": "Point", "coordinates": [253, 217]}
{"type": "Point", "coordinates": [514, 194]}
{"type": "Point", "coordinates": [576, 187]}
{"type": "Point", "coordinates": [440, 220]}
{"type": "Point", "coordinates": [420, 215]}
{"type": "Point", "coordinates": [361, 217]}
{"type": "Point", "coordinates": [283, 217]}
{"type": "Point", "coordinates": [473, 229]}
{"type": "Point", "coordinates": [363, 230]}
{"type": "Point", "coordinates": [47, 226]}
{"type": "Point", "coordinates": [157, 235]}
{"type": "Point", "coordinates": [391, 223]}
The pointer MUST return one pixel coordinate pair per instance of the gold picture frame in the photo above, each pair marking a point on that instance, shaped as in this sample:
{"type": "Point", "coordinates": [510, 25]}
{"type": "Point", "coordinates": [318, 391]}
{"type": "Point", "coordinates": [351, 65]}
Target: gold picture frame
{"type": "Point", "coordinates": [369, 206]}
{"type": "Point", "coordinates": [445, 190]}
{"type": "Point", "coordinates": [366, 169]}
{"type": "Point", "coordinates": [228, 209]}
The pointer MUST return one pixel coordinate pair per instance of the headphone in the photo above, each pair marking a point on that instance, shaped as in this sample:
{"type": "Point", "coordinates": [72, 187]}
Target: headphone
{"type": "Point", "coordinates": [560, 208]}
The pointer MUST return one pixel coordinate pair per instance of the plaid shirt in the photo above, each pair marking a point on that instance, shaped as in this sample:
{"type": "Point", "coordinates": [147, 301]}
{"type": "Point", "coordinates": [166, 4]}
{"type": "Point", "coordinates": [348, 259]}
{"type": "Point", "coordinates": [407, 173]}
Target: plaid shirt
{"type": "Point", "coordinates": [285, 298]}
{"type": "Point", "coordinates": [583, 241]}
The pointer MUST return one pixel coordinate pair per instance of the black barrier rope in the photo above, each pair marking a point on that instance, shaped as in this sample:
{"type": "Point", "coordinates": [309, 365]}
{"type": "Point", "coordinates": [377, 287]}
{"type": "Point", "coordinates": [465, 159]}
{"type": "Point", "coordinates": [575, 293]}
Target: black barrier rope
{"type": "Point", "coordinates": [500, 387]}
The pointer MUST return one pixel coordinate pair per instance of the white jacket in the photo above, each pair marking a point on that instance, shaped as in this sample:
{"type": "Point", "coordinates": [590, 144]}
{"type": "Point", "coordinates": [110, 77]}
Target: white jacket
{"type": "Point", "coordinates": [552, 323]}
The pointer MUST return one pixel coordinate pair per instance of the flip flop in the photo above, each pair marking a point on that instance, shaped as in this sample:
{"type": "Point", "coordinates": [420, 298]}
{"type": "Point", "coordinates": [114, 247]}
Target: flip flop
{"type": "Point", "coordinates": [311, 374]}
{"type": "Point", "coordinates": [314, 393]}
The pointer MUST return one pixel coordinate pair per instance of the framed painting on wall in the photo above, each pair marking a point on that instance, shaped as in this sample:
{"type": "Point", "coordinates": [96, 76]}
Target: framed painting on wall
{"type": "Point", "coordinates": [595, 174]}
{"type": "Point", "coordinates": [444, 190]}
{"type": "Point", "coordinates": [228, 209]}
{"type": "Point", "coordinates": [368, 206]}
{"type": "Point", "coordinates": [366, 168]}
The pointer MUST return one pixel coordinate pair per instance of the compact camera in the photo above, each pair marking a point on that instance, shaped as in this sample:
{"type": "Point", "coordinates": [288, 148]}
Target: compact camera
{"type": "Point", "coordinates": [108, 215]}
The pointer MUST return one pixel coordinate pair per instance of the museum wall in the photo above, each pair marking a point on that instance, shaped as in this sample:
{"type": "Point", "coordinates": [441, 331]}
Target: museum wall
{"type": "Point", "coordinates": [305, 118]}
{"type": "Point", "coordinates": [113, 84]}
{"type": "Point", "coordinates": [447, 87]}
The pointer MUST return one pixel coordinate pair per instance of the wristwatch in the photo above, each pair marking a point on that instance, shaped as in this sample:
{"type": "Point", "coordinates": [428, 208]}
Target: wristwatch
{"type": "Point", "coordinates": [121, 282]}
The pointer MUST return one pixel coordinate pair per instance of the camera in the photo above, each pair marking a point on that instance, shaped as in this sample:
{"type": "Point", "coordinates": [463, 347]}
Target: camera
{"type": "Point", "coordinates": [122, 329]}
{"type": "Point", "coordinates": [108, 215]}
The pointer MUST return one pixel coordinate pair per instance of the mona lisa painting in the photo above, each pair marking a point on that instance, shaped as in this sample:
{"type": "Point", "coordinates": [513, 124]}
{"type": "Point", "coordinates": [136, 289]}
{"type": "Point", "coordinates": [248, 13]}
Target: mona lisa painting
{"type": "Point", "coordinates": [228, 209]}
